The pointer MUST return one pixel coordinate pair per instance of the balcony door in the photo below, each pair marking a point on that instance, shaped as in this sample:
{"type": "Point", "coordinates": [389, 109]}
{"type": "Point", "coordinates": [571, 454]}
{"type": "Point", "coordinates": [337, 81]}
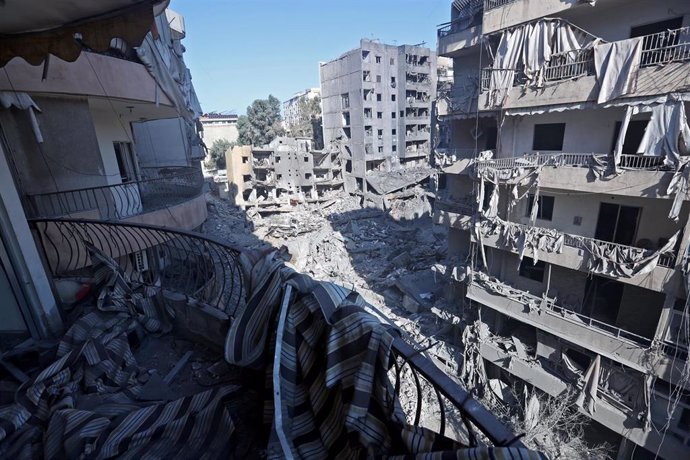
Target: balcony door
{"type": "Point", "coordinates": [127, 197]}
{"type": "Point", "coordinates": [617, 223]}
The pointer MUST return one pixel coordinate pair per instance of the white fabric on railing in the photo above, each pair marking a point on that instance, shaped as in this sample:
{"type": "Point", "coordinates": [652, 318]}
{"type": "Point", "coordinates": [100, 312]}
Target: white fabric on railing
{"type": "Point", "coordinates": [667, 134]}
{"type": "Point", "coordinates": [616, 66]}
{"type": "Point", "coordinates": [621, 138]}
{"type": "Point", "coordinates": [24, 102]}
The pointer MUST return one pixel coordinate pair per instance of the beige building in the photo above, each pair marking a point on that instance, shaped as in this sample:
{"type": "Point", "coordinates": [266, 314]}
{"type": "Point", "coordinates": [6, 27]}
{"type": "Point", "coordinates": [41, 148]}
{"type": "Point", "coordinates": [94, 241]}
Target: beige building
{"type": "Point", "coordinates": [218, 126]}
{"type": "Point", "coordinates": [564, 208]}
{"type": "Point", "coordinates": [85, 139]}
{"type": "Point", "coordinates": [286, 169]}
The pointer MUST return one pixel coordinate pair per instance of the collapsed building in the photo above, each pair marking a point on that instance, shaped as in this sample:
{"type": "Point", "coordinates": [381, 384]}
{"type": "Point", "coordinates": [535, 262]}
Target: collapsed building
{"type": "Point", "coordinates": [286, 169]}
{"type": "Point", "coordinates": [565, 197]}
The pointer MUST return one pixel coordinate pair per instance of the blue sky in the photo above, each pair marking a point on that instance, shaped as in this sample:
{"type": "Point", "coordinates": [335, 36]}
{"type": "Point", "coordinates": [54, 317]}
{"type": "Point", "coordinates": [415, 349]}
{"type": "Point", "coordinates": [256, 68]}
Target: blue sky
{"type": "Point", "coordinates": [241, 50]}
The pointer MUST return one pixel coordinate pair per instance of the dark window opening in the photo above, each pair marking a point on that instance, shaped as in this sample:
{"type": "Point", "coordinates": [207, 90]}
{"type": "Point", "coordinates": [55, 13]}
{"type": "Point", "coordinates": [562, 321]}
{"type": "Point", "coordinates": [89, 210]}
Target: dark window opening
{"type": "Point", "coordinates": [602, 299]}
{"type": "Point", "coordinates": [379, 114]}
{"type": "Point", "coordinates": [378, 97]}
{"type": "Point", "coordinates": [528, 269]}
{"type": "Point", "coordinates": [633, 136]}
{"type": "Point", "coordinates": [548, 136]}
{"type": "Point", "coordinates": [378, 79]}
{"type": "Point", "coordinates": [348, 166]}
{"type": "Point", "coordinates": [491, 136]}
{"type": "Point", "coordinates": [617, 224]}
{"type": "Point", "coordinates": [378, 59]}
{"type": "Point", "coordinates": [545, 211]}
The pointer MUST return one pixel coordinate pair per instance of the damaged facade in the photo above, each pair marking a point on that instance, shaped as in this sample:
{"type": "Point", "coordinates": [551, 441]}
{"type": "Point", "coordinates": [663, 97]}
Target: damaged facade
{"type": "Point", "coordinates": [286, 169]}
{"type": "Point", "coordinates": [376, 103]}
{"type": "Point", "coordinates": [565, 197]}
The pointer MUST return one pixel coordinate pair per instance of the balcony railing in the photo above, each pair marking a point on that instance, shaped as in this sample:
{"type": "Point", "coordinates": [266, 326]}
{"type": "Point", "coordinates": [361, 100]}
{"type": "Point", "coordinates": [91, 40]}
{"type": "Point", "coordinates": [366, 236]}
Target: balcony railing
{"type": "Point", "coordinates": [665, 260]}
{"type": "Point", "coordinates": [569, 65]}
{"type": "Point", "coordinates": [208, 273]}
{"type": "Point", "coordinates": [639, 162]}
{"type": "Point", "coordinates": [665, 47]}
{"type": "Point", "coordinates": [491, 4]}
{"type": "Point", "coordinates": [160, 188]}
{"type": "Point", "coordinates": [549, 306]}
{"type": "Point", "coordinates": [467, 9]}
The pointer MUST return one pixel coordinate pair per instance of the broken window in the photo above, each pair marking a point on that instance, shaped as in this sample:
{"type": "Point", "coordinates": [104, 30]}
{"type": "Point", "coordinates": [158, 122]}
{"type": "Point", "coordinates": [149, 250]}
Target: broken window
{"type": "Point", "coordinates": [378, 97]}
{"type": "Point", "coordinates": [528, 269]}
{"type": "Point", "coordinates": [125, 161]}
{"type": "Point", "coordinates": [245, 160]}
{"type": "Point", "coordinates": [366, 75]}
{"type": "Point", "coordinates": [394, 132]}
{"type": "Point", "coordinates": [548, 136]}
{"type": "Point", "coordinates": [378, 59]}
{"type": "Point", "coordinates": [307, 176]}
{"type": "Point", "coordinates": [633, 137]}
{"type": "Point", "coordinates": [277, 160]}
{"type": "Point", "coordinates": [246, 178]}
{"type": "Point", "coordinates": [395, 147]}
{"type": "Point", "coordinates": [365, 55]}
{"type": "Point", "coordinates": [617, 223]}
{"type": "Point", "coordinates": [379, 114]}
{"type": "Point", "coordinates": [279, 176]}
{"type": "Point", "coordinates": [380, 149]}
{"type": "Point", "coordinates": [348, 166]}
{"type": "Point", "coordinates": [545, 211]}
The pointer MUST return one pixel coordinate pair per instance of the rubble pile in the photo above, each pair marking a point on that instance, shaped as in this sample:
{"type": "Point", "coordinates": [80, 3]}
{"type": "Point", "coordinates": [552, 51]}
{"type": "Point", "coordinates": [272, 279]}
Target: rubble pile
{"type": "Point", "coordinates": [387, 261]}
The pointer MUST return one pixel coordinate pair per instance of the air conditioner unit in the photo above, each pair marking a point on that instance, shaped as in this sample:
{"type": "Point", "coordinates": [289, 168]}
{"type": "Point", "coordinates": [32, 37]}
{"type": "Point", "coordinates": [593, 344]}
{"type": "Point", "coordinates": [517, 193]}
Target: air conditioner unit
{"type": "Point", "coordinates": [141, 261]}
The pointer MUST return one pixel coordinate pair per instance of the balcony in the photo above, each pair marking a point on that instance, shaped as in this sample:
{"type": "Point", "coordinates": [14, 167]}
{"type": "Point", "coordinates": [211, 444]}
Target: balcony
{"type": "Point", "coordinates": [501, 14]}
{"type": "Point", "coordinates": [166, 196]}
{"type": "Point", "coordinates": [463, 31]}
{"type": "Point", "coordinates": [200, 287]}
{"type": "Point", "coordinates": [639, 170]}
{"type": "Point", "coordinates": [454, 214]}
{"type": "Point", "coordinates": [571, 75]}
{"type": "Point", "coordinates": [576, 256]}
{"type": "Point", "coordinates": [543, 313]}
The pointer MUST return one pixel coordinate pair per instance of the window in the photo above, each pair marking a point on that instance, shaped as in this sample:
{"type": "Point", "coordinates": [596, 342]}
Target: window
{"type": "Point", "coordinates": [380, 132]}
{"type": "Point", "coordinates": [277, 160]}
{"type": "Point", "coordinates": [345, 100]}
{"type": "Point", "coordinates": [247, 178]}
{"type": "Point", "coordinates": [548, 136]}
{"type": "Point", "coordinates": [348, 166]}
{"type": "Point", "coordinates": [378, 59]}
{"type": "Point", "coordinates": [245, 160]}
{"type": "Point", "coordinates": [528, 269]}
{"type": "Point", "coordinates": [378, 97]}
{"type": "Point", "coordinates": [378, 79]}
{"type": "Point", "coordinates": [380, 149]}
{"type": "Point", "coordinates": [394, 132]}
{"type": "Point", "coordinates": [125, 161]}
{"type": "Point", "coordinates": [402, 113]}
{"type": "Point", "coordinates": [307, 176]}
{"type": "Point", "coordinates": [395, 147]}
{"type": "Point", "coordinates": [392, 61]}
{"type": "Point", "coordinates": [393, 97]}
{"type": "Point", "coordinates": [545, 211]}
{"type": "Point", "coordinates": [306, 159]}
{"type": "Point", "coordinates": [379, 114]}
{"type": "Point", "coordinates": [392, 114]}
{"type": "Point", "coordinates": [392, 79]}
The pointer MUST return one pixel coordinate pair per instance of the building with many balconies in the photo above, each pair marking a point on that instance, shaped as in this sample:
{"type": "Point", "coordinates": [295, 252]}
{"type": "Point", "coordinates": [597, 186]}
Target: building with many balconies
{"type": "Point", "coordinates": [566, 204]}
{"type": "Point", "coordinates": [376, 103]}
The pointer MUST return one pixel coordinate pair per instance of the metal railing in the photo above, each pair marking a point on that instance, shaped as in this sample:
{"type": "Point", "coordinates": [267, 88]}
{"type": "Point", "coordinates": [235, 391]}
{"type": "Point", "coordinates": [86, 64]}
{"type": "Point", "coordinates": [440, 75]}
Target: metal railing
{"type": "Point", "coordinates": [160, 188]}
{"type": "Point", "coordinates": [208, 272]}
{"type": "Point", "coordinates": [549, 305]}
{"type": "Point", "coordinates": [467, 9]}
{"type": "Point", "coordinates": [640, 162]}
{"type": "Point", "coordinates": [664, 47]}
{"type": "Point", "coordinates": [491, 4]}
{"type": "Point", "coordinates": [665, 260]}
{"type": "Point", "coordinates": [204, 270]}
{"type": "Point", "coordinates": [569, 65]}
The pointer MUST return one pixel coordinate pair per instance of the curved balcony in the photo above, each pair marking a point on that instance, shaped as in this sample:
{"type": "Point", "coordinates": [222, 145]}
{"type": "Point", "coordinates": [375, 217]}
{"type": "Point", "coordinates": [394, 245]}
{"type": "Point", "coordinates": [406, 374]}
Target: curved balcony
{"type": "Point", "coordinates": [176, 191]}
{"type": "Point", "coordinates": [203, 281]}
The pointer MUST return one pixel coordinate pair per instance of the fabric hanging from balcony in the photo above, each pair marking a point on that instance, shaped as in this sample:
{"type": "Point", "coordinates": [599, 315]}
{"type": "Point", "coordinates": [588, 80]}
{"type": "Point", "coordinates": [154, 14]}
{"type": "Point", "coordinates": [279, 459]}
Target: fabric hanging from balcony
{"type": "Point", "coordinates": [328, 361]}
{"type": "Point", "coordinates": [667, 134]}
{"type": "Point", "coordinates": [616, 65]}
{"type": "Point", "coordinates": [23, 101]}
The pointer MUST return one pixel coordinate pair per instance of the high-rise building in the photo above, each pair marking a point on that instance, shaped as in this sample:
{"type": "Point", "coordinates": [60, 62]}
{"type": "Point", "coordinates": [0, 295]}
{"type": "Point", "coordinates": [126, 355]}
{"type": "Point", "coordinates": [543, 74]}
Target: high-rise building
{"type": "Point", "coordinates": [566, 204]}
{"type": "Point", "coordinates": [376, 102]}
{"type": "Point", "coordinates": [292, 112]}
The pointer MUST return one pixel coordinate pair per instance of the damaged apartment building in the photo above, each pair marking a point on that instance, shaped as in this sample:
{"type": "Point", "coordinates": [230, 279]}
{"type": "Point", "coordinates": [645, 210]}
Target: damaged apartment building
{"type": "Point", "coordinates": [566, 201]}
{"type": "Point", "coordinates": [286, 169]}
{"type": "Point", "coordinates": [376, 102]}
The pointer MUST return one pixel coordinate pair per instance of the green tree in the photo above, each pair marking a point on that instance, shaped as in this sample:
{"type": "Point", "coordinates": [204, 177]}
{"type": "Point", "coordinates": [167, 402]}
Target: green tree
{"type": "Point", "coordinates": [216, 154]}
{"type": "Point", "coordinates": [261, 124]}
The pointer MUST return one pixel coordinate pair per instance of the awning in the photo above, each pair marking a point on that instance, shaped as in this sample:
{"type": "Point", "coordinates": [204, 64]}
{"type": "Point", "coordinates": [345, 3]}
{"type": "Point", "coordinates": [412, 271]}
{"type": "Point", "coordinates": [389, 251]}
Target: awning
{"type": "Point", "coordinates": [33, 29]}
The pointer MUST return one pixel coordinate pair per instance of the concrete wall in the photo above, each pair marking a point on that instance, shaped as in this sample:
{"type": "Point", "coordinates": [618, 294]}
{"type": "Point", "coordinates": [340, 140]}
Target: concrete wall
{"type": "Point", "coordinates": [109, 129]}
{"type": "Point", "coordinates": [213, 132]}
{"type": "Point", "coordinates": [69, 158]}
{"type": "Point", "coordinates": [237, 168]}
